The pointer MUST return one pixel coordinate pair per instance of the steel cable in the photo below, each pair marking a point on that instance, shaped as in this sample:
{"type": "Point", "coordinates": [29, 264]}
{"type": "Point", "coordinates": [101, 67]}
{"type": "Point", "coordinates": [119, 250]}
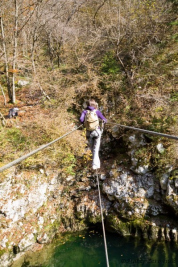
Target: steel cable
{"type": "Point", "coordinates": [102, 219]}
{"type": "Point", "coordinates": [35, 151]}
{"type": "Point", "coordinates": [145, 131]}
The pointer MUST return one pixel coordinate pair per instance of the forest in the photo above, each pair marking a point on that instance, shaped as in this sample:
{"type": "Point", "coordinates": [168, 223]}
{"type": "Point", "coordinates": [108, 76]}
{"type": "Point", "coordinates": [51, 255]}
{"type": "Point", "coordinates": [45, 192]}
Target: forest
{"type": "Point", "coordinates": [57, 54]}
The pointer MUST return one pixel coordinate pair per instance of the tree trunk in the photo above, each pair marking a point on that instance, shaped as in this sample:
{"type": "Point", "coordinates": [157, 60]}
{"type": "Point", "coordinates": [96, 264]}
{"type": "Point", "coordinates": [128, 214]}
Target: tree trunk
{"type": "Point", "coordinates": [6, 60]}
{"type": "Point", "coordinates": [33, 52]}
{"type": "Point", "coordinates": [15, 51]}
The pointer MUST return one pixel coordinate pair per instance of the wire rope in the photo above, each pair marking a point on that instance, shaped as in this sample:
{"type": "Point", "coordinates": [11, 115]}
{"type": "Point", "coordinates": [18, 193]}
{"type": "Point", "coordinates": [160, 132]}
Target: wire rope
{"type": "Point", "coordinates": [102, 219]}
{"type": "Point", "coordinates": [145, 131]}
{"type": "Point", "coordinates": [35, 151]}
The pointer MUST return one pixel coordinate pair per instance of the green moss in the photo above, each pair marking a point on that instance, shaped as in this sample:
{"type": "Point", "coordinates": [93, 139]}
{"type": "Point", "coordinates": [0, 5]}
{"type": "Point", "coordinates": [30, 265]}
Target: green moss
{"type": "Point", "coordinates": [174, 96]}
{"type": "Point", "coordinates": [174, 174]}
{"type": "Point", "coordinates": [140, 226]}
{"type": "Point", "coordinates": [2, 251]}
{"type": "Point", "coordinates": [94, 219]}
{"type": "Point", "coordinates": [123, 228]}
{"type": "Point", "coordinates": [79, 215]}
{"type": "Point", "coordinates": [110, 64]}
{"type": "Point", "coordinates": [53, 226]}
{"type": "Point", "coordinates": [136, 227]}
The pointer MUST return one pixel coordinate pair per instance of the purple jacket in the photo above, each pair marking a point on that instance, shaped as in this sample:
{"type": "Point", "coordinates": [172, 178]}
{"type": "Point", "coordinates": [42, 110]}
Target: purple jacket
{"type": "Point", "coordinates": [98, 113]}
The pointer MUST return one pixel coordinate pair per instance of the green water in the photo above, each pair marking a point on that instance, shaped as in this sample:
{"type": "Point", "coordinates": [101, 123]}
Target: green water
{"type": "Point", "coordinates": [87, 250]}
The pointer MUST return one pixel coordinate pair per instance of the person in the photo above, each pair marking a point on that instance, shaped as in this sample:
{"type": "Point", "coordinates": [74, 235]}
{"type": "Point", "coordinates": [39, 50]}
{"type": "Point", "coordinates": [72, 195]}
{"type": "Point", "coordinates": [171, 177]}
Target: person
{"type": "Point", "coordinates": [93, 135]}
{"type": "Point", "coordinates": [13, 112]}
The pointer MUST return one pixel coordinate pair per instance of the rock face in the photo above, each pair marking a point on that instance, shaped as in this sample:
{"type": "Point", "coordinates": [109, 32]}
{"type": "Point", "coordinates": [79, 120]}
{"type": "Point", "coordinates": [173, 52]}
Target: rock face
{"type": "Point", "coordinates": [35, 205]}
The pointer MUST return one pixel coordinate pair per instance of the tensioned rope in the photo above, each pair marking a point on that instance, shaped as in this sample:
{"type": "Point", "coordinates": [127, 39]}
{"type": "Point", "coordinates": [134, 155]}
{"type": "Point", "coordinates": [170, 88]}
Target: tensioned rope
{"type": "Point", "coordinates": [131, 128]}
{"type": "Point", "coordinates": [145, 131]}
{"type": "Point", "coordinates": [46, 145]}
{"type": "Point", "coordinates": [102, 220]}
{"type": "Point", "coordinates": [35, 151]}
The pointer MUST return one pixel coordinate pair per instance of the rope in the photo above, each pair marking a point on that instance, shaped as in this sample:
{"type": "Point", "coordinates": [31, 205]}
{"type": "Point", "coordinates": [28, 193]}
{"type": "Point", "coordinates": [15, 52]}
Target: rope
{"type": "Point", "coordinates": [145, 131]}
{"type": "Point", "coordinates": [104, 235]}
{"type": "Point", "coordinates": [35, 151]}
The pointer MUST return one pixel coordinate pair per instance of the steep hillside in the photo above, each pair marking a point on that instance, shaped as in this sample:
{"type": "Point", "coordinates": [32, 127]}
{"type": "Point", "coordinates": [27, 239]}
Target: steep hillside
{"type": "Point", "coordinates": [125, 57]}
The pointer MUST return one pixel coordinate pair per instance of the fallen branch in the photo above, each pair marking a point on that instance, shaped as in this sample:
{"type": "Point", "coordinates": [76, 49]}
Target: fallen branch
{"type": "Point", "coordinates": [43, 92]}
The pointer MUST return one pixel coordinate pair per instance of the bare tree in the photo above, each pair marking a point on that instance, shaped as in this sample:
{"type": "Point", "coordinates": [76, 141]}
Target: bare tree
{"type": "Point", "coordinates": [15, 22]}
{"type": "Point", "coordinates": [16, 8]}
{"type": "Point", "coordinates": [6, 58]}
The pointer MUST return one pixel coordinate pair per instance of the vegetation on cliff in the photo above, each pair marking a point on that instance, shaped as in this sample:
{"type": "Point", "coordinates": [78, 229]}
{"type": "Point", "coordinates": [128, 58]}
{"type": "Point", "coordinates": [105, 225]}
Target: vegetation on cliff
{"type": "Point", "coordinates": [56, 54]}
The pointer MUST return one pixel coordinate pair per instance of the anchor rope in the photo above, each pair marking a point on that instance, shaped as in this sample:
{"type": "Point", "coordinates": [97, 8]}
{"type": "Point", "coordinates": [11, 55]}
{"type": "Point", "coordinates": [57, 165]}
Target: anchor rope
{"type": "Point", "coordinates": [46, 145]}
{"type": "Point", "coordinates": [35, 151]}
{"type": "Point", "coordinates": [145, 131]}
{"type": "Point", "coordinates": [102, 219]}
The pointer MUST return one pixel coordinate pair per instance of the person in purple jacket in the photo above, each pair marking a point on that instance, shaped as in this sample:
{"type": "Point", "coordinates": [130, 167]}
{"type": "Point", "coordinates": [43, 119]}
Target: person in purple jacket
{"type": "Point", "coordinates": [93, 136]}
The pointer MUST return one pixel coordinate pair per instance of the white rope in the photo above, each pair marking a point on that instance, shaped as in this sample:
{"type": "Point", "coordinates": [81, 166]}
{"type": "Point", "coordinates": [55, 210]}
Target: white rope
{"type": "Point", "coordinates": [34, 151]}
{"type": "Point", "coordinates": [102, 219]}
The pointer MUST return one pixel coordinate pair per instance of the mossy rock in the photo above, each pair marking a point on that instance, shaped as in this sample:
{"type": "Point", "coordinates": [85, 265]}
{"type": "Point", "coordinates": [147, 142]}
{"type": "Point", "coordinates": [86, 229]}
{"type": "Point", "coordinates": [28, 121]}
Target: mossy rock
{"type": "Point", "coordinates": [174, 174]}
{"type": "Point", "coordinates": [123, 228]}
{"type": "Point", "coordinates": [140, 228]}
{"type": "Point", "coordinates": [94, 219]}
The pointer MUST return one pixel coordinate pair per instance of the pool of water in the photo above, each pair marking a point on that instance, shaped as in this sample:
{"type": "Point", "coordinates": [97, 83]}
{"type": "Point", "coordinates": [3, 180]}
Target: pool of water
{"type": "Point", "coordinates": [87, 250]}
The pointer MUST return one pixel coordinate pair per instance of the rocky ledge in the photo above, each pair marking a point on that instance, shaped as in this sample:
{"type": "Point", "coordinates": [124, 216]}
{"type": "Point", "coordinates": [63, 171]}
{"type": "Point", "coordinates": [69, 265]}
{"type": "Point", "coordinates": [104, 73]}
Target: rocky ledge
{"type": "Point", "coordinates": [36, 204]}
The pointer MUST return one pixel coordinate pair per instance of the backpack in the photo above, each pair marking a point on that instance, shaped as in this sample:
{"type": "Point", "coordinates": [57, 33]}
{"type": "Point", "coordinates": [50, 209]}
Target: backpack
{"type": "Point", "coordinates": [91, 120]}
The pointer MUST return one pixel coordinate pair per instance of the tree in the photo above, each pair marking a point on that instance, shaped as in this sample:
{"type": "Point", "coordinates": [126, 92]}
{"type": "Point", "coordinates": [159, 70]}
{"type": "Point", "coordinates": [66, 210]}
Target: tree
{"type": "Point", "coordinates": [5, 58]}
{"type": "Point", "coordinates": [16, 17]}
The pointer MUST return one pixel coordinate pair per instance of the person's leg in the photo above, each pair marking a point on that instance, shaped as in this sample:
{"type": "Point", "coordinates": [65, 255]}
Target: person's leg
{"type": "Point", "coordinates": [95, 152]}
{"type": "Point", "coordinates": [90, 140]}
